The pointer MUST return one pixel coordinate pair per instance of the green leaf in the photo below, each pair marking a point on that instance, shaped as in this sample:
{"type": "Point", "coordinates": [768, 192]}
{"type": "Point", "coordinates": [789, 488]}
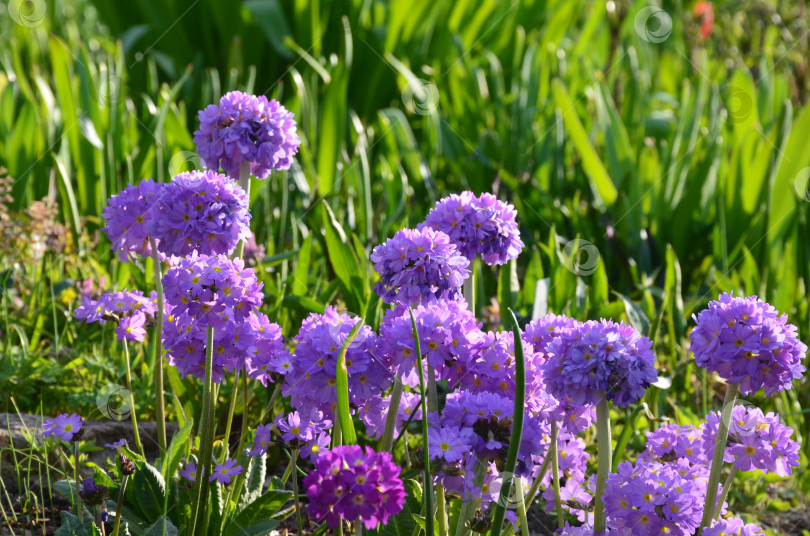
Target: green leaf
{"type": "Point", "coordinates": [508, 286]}
{"type": "Point", "coordinates": [344, 412]}
{"type": "Point", "coordinates": [157, 528]}
{"type": "Point", "coordinates": [177, 449]}
{"type": "Point", "coordinates": [604, 191]}
{"type": "Point", "coordinates": [635, 315]}
{"type": "Point", "coordinates": [255, 519]}
{"type": "Point", "coordinates": [148, 490]}
{"type": "Point", "coordinates": [254, 480]}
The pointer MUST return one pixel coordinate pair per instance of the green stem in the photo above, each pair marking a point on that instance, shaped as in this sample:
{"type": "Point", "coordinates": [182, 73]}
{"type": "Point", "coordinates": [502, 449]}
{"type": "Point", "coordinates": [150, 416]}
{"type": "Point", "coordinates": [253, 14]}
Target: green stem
{"type": "Point", "coordinates": [244, 182]}
{"type": "Point", "coordinates": [604, 450]}
{"type": "Point", "coordinates": [724, 492]}
{"type": "Point", "coordinates": [468, 504]}
{"type": "Point", "coordinates": [206, 433]}
{"type": "Point", "coordinates": [391, 418]}
{"type": "Point", "coordinates": [231, 408]}
{"type": "Point", "coordinates": [555, 473]}
{"type": "Point", "coordinates": [160, 409]}
{"type": "Point", "coordinates": [717, 459]}
{"type": "Point", "coordinates": [288, 471]}
{"type": "Point", "coordinates": [128, 376]}
{"type": "Point", "coordinates": [468, 289]}
{"type": "Point", "coordinates": [441, 510]}
{"type": "Point", "coordinates": [521, 507]}
{"type": "Point", "coordinates": [244, 432]}
{"type": "Point", "coordinates": [299, 522]}
{"type": "Point", "coordinates": [119, 505]}
{"type": "Point", "coordinates": [358, 528]}
{"type": "Point", "coordinates": [428, 485]}
{"type": "Point", "coordinates": [271, 403]}
{"type": "Point", "coordinates": [76, 479]}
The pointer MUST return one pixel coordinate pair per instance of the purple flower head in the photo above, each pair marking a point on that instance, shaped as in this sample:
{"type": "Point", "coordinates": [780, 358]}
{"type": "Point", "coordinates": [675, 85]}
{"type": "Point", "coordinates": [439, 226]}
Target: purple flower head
{"type": "Point", "coordinates": [189, 472]}
{"type": "Point", "coordinates": [262, 440]}
{"type": "Point", "coordinates": [651, 498]}
{"type": "Point", "coordinates": [127, 219]}
{"type": "Point", "coordinates": [224, 472]}
{"type": "Point", "coordinates": [672, 442]}
{"type": "Point", "coordinates": [267, 357]}
{"type": "Point", "coordinates": [296, 429]}
{"type": "Point", "coordinates": [449, 338]}
{"type": "Point", "coordinates": [311, 382]}
{"type": "Point", "coordinates": [120, 443]}
{"type": "Point", "coordinates": [539, 333]}
{"type": "Point", "coordinates": [575, 498]}
{"type": "Point", "coordinates": [419, 266]}
{"type": "Point", "coordinates": [595, 359]}
{"type": "Point", "coordinates": [733, 526]}
{"type": "Point", "coordinates": [375, 411]}
{"type": "Point", "coordinates": [246, 129]}
{"type": "Point", "coordinates": [756, 441]}
{"type": "Point", "coordinates": [129, 309]}
{"type": "Point", "coordinates": [747, 342]}
{"type": "Point", "coordinates": [356, 485]}
{"type": "Point", "coordinates": [447, 444]}
{"type": "Point", "coordinates": [93, 494]}
{"type": "Point", "coordinates": [200, 211]}
{"type": "Point", "coordinates": [478, 226]}
{"type": "Point", "coordinates": [65, 427]}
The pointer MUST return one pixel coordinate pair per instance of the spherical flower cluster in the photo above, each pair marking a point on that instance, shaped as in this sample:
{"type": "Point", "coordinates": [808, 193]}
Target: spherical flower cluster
{"type": "Point", "coordinates": [574, 497]}
{"type": "Point", "coordinates": [65, 427]}
{"type": "Point", "coordinates": [418, 266]}
{"type": "Point", "coordinates": [655, 498]}
{"type": "Point", "coordinates": [247, 129]}
{"type": "Point", "coordinates": [478, 226]}
{"type": "Point", "coordinates": [733, 526]}
{"type": "Point", "coordinates": [200, 211]}
{"type": "Point", "coordinates": [311, 381]}
{"type": "Point", "coordinates": [356, 485]}
{"type": "Point", "coordinates": [539, 333]}
{"type": "Point", "coordinates": [128, 220]}
{"type": "Point", "coordinates": [747, 342]}
{"type": "Point", "coordinates": [756, 441]}
{"type": "Point", "coordinates": [596, 359]}
{"type": "Point", "coordinates": [310, 435]}
{"type": "Point", "coordinates": [449, 337]}
{"type": "Point", "coordinates": [672, 442]}
{"type": "Point", "coordinates": [214, 290]}
{"type": "Point", "coordinates": [129, 309]}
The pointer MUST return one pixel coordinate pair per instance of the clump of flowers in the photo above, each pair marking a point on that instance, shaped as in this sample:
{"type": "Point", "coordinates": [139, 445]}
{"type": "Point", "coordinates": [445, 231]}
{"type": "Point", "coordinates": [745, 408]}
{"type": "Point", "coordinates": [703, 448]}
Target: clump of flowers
{"type": "Point", "coordinates": [672, 442]}
{"type": "Point", "coordinates": [65, 427]}
{"type": "Point", "coordinates": [248, 129]}
{"type": "Point", "coordinates": [449, 337]}
{"type": "Point", "coordinates": [311, 380]}
{"type": "Point", "coordinates": [200, 211]}
{"type": "Point", "coordinates": [655, 498]}
{"type": "Point", "coordinates": [356, 485]}
{"type": "Point", "coordinates": [595, 359]}
{"type": "Point", "coordinates": [756, 441]}
{"type": "Point", "coordinates": [128, 219]}
{"type": "Point", "coordinates": [747, 342]}
{"type": "Point", "coordinates": [418, 266]}
{"type": "Point", "coordinates": [130, 310]}
{"type": "Point", "coordinates": [478, 226]}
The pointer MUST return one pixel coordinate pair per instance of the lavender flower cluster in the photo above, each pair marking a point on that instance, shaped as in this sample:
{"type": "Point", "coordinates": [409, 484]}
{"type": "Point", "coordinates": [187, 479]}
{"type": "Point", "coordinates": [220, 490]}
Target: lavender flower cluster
{"type": "Point", "coordinates": [246, 129]}
{"type": "Point", "coordinates": [748, 343]}
{"type": "Point", "coordinates": [130, 310]}
{"type": "Point", "coordinates": [128, 219]}
{"type": "Point", "coordinates": [356, 485]}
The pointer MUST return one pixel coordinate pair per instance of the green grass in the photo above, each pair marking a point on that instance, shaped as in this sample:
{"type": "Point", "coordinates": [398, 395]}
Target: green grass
{"type": "Point", "coordinates": [680, 166]}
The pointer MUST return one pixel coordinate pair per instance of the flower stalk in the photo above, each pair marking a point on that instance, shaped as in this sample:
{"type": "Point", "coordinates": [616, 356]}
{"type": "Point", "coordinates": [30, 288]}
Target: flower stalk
{"type": "Point", "coordinates": [391, 418]}
{"type": "Point", "coordinates": [119, 506]}
{"type": "Point", "coordinates": [160, 409]}
{"type": "Point", "coordinates": [555, 473]}
{"type": "Point", "coordinates": [719, 452]}
{"type": "Point", "coordinates": [128, 376]}
{"type": "Point", "coordinates": [428, 484]}
{"type": "Point", "coordinates": [604, 450]}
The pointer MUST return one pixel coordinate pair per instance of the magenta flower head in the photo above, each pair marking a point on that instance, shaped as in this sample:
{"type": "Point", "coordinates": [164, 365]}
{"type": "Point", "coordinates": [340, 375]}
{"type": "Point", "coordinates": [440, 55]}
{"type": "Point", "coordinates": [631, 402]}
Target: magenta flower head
{"type": "Point", "coordinates": [478, 226]}
{"type": "Point", "coordinates": [246, 129]}
{"type": "Point", "coordinates": [595, 359]}
{"type": "Point", "coordinates": [733, 526]}
{"type": "Point", "coordinates": [356, 485]}
{"type": "Point", "coordinates": [200, 211]}
{"type": "Point", "coordinates": [65, 427]}
{"type": "Point", "coordinates": [127, 219]}
{"type": "Point", "coordinates": [747, 342]}
{"type": "Point", "coordinates": [419, 266]}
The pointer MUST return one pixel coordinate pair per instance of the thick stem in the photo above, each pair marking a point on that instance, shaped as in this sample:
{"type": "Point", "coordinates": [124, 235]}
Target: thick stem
{"type": "Point", "coordinates": [244, 182]}
{"type": "Point", "coordinates": [521, 507]}
{"type": "Point", "coordinates": [428, 482]}
{"type": "Point", "coordinates": [441, 510]}
{"type": "Point", "coordinates": [244, 432]}
{"type": "Point", "coordinates": [76, 479]}
{"type": "Point", "coordinates": [468, 289]}
{"type": "Point", "coordinates": [391, 417]}
{"type": "Point", "coordinates": [119, 505]}
{"type": "Point", "coordinates": [604, 450]}
{"type": "Point", "coordinates": [299, 522]}
{"type": "Point", "coordinates": [555, 473]}
{"type": "Point", "coordinates": [128, 376]}
{"type": "Point", "coordinates": [719, 452]}
{"type": "Point", "coordinates": [206, 433]}
{"type": "Point", "coordinates": [724, 493]}
{"type": "Point", "coordinates": [160, 408]}
{"type": "Point", "coordinates": [229, 422]}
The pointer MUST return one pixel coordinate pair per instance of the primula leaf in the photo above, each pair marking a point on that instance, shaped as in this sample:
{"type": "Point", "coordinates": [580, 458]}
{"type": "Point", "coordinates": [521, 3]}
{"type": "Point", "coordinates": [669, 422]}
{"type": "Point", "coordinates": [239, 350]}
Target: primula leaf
{"type": "Point", "coordinates": [257, 517]}
{"type": "Point", "coordinates": [157, 528]}
{"type": "Point", "coordinates": [148, 491]}
{"type": "Point", "coordinates": [254, 480]}
{"type": "Point", "coordinates": [177, 449]}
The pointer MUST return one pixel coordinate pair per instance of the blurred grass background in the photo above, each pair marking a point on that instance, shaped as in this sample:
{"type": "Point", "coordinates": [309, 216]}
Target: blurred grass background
{"type": "Point", "coordinates": [655, 159]}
